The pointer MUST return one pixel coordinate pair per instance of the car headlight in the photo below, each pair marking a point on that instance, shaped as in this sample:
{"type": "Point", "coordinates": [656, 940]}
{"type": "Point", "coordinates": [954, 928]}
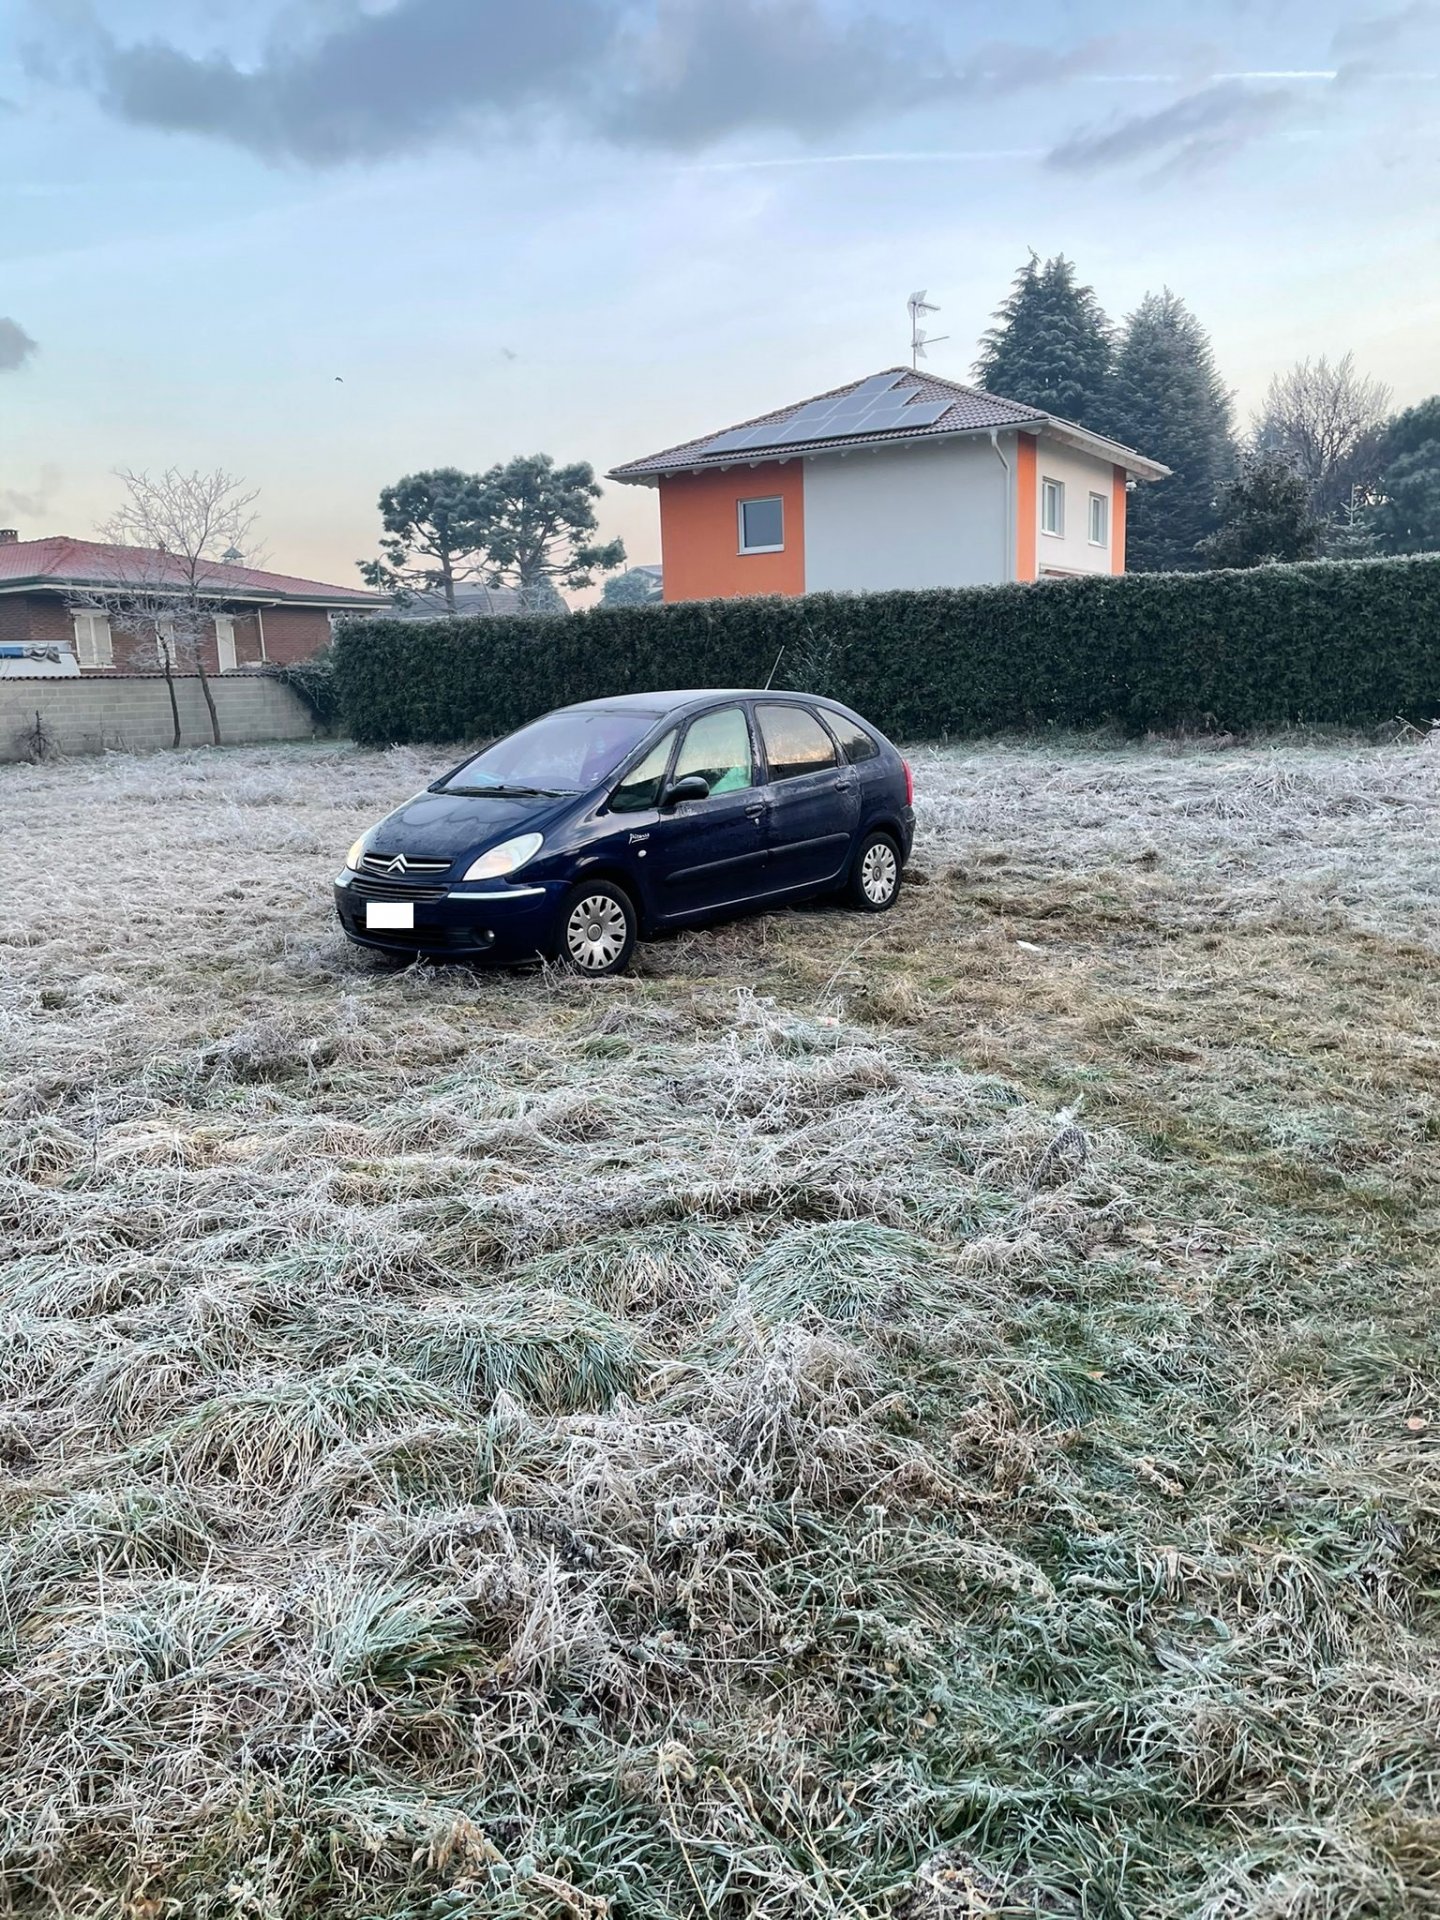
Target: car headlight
{"type": "Point", "coordinates": [505, 858]}
{"type": "Point", "coordinates": [352, 858]}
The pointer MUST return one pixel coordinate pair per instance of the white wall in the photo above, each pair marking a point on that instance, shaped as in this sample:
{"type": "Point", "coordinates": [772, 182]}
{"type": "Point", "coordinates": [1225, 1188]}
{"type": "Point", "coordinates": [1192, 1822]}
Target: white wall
{"type": "Point", "coordinates": [1082, 475]}
{"type": "Point", "coordinates": [911, 516]}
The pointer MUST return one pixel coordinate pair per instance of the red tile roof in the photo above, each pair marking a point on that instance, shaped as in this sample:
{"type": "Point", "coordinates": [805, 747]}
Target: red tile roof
{"type": "Point", "coordinates": [971, 410]}
{"type": "Point", "coordinates": [62, 562]}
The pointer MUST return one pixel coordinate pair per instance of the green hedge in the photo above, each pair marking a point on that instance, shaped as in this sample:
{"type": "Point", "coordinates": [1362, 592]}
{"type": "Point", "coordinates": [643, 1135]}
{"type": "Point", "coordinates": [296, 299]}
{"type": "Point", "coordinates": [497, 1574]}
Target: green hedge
{"type": "Point", "coordinates": [1328, 642]}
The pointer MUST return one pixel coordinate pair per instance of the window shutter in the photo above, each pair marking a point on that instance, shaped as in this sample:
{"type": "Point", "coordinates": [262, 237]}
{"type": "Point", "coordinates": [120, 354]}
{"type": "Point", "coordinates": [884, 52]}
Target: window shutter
{"type": "Point", "coordinates": [94, 645]}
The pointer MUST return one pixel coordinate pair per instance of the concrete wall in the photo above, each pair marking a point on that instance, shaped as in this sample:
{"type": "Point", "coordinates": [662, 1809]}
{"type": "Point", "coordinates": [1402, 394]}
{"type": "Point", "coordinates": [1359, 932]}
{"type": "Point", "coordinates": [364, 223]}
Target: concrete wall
{"type": "Point", "coordinates": [1082, 475]}
{"type": "Point", "coordinates": [129, 713]}
{"type": "Point", "coordinates": [914, 516]}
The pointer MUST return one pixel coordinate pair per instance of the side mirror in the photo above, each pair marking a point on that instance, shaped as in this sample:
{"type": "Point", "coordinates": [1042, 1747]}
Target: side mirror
{"type": "Point", "coordinates": [694, 786]}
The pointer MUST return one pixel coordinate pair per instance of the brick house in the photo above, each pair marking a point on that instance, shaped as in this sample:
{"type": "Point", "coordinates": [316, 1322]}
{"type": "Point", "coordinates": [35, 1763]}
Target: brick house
{"type": "Point", "coordinates": [259, 617]}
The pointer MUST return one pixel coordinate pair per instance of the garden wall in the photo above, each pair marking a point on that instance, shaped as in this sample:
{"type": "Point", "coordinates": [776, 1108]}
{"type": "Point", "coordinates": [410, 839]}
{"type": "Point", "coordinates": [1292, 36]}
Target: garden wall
{"type": "Point", "coordinates": [131, 712]}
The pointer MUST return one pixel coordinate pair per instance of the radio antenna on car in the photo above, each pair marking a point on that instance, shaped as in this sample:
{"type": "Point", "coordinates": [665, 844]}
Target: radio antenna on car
{"type": "Point", "coordinates": [775, 669]}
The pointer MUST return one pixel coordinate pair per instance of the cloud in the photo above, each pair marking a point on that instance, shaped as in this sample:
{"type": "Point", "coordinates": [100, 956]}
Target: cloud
{"type": "Point", "coordinates": [714, 67]}
{"type": "Point", "coordinates": [16, 346]}
{"type": "Point", "coordinates": [1380, 31]}
{"type": "Point", "coordinates": [678, 75]}
{"type": "Point", "coordinates": [1386, 46]}
{"type": "Point", "coordinates": [15, 504]}
{"type": "Point", "coordinates": [375, 84]}
{"type": "Point", "coordinates": [1181, 137]}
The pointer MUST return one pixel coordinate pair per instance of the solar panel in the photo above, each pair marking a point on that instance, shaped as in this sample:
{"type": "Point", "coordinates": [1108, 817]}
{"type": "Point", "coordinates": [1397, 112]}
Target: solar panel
{"type": "Point", "coordinates": [736, 439]}
{"type": "Point", "coordinates": [877, 383]}
{"type": "Point", "coordinates": [878, 405]}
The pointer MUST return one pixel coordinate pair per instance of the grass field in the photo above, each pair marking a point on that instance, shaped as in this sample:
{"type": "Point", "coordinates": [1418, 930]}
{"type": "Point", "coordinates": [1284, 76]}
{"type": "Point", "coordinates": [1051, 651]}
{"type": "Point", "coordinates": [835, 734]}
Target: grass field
{"type": "Point", "coordinates": [930, 1417]}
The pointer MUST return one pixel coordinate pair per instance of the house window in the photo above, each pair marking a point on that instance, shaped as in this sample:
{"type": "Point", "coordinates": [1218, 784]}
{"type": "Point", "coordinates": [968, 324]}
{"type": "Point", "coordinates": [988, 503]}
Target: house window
{"type": "Point", "coordinates": [93, 644]}
{"type": "Point", "coordinates": [225, 642]}
{"type": "Point", "coordinates": [762, 525]}
{"type": "Point", "coordinates": [1052, 507]}
{"type": "Point", "coordinates": [165, 640]}
{"type": "Point", "coordinates": [1099, 520]}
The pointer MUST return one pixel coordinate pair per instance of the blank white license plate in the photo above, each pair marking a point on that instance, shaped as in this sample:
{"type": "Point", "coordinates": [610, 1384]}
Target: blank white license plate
{"type": "Point", "coordinates": [389, 913]}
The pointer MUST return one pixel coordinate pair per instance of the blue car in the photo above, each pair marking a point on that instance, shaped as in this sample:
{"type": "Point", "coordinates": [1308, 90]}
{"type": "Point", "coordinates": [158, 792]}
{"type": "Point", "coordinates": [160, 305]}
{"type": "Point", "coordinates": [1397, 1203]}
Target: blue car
{"type": "Point", "coordinates": [611, 819]}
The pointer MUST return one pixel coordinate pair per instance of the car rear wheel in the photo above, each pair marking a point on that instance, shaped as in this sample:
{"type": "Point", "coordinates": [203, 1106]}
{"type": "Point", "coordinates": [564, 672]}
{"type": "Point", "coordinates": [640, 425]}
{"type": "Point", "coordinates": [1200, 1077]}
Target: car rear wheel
{"type": "Point", "coordinates": [597, 929]}
{"type": "Point", "coordinates": [875, 876]}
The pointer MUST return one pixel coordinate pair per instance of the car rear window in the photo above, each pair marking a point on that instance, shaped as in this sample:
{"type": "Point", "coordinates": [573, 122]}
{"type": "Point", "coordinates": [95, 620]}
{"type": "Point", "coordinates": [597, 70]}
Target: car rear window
{"type": "Point", "coordinates": [795, 741]}
{"type": "Point", "coordinates": [855, 742]}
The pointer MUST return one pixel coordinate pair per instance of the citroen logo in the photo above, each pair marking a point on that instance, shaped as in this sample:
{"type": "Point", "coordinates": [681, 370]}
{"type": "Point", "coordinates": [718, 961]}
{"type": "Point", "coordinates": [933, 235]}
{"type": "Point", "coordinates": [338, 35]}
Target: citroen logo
{"type": "Point", "coordinates": [397, 865]}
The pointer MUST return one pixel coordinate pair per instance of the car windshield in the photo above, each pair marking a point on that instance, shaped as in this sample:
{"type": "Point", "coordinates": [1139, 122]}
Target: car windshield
{"type": "Point", "coordinates": [563, 753]}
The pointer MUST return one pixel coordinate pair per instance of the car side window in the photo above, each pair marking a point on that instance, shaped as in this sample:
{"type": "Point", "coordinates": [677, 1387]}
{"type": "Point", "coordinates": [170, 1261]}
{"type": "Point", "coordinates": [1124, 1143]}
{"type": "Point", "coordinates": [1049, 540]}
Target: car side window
{"type": "Point", "coordinates": [717, 746]}
{"type": "Point", "coordinates": [855, 742]}
{"type": "Point", "coordinates": [639, 790]}
{"type": "Point", "coordinates": [795, 742]}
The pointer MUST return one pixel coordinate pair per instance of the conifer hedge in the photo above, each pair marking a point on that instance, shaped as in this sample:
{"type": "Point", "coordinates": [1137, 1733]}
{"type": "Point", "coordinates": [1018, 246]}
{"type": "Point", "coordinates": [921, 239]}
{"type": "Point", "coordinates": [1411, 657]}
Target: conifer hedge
{"type": "Point", "coordinates": [1347, 642]}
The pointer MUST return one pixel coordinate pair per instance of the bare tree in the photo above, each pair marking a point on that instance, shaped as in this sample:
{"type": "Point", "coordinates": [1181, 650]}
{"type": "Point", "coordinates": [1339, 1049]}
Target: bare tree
{"type": "Point", "coordinates": [1325, 422]}
{"type": "Point", "coordinates": [174, 543]}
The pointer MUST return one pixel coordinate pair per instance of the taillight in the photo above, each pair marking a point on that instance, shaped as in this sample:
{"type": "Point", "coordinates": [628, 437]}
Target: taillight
{"type": "Point", "coordinates": [909, 784]}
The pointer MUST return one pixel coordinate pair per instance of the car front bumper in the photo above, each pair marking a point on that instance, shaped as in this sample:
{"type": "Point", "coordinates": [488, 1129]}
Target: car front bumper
{"type": "Point", "coordinates": [498, 920]}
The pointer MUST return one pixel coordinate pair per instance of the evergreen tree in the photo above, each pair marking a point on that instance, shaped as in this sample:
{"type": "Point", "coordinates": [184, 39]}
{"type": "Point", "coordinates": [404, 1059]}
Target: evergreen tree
{"type": "Point", "coordinates": [1406, 518]}
{"type": "Point", "coordinates": [434, 537]}
{"type": "Point", "coordinates": [1050, 346]}
{"type": "Point", "coordinates": [539, 520]}
{"type": "Point", "coordinates": [1265, 515]}
{"type": "Point", "coordinates": [1169, 403]}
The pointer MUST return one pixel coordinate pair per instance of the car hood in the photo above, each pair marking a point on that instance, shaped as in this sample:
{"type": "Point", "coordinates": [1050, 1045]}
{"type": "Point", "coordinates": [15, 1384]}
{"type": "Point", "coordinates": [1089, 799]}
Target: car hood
{"type": "Point", "coordinates": [436, 826]}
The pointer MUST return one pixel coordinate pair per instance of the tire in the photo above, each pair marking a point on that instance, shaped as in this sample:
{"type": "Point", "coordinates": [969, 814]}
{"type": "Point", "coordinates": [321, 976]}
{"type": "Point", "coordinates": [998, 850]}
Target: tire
{"type": "Point", "coordinates": [598, 927]}
{"type": "Point", "coordinates": [874, 883]}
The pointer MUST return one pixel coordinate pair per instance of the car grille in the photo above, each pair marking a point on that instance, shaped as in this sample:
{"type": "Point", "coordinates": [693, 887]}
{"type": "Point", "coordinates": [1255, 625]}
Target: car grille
{"type": "Point", "coordinates": [381, 863]}
{"type": "Point", "coordinates": [370, 887]}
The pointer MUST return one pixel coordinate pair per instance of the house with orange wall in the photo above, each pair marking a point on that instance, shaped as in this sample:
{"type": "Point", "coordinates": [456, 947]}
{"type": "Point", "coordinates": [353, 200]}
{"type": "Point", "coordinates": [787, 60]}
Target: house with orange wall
{"type": "Point", "coordinates": [897, 480]}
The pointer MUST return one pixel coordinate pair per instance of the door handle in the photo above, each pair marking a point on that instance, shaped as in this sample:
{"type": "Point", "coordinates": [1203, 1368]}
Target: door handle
{"type": "Point", "coordinates": [757, 807]}
{"type": "Point", "coordinates": [843, 786]}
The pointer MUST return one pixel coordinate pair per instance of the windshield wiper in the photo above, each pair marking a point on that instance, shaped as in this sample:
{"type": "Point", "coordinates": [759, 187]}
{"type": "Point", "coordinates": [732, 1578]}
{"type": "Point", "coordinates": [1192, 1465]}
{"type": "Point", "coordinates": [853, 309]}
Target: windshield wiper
{"type": "Point", "coordinates": [522, 793]}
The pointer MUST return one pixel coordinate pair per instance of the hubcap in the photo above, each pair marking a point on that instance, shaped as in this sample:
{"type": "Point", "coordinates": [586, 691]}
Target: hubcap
{"type": "Point", "coordinates": [879, 872]}
{"type": "Point", "coordinates": [595, 932]}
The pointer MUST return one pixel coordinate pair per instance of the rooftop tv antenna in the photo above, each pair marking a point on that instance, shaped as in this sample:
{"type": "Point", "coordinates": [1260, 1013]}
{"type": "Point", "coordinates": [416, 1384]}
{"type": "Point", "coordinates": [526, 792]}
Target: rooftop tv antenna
{"type": "Point", "coordinates": [919, 339]}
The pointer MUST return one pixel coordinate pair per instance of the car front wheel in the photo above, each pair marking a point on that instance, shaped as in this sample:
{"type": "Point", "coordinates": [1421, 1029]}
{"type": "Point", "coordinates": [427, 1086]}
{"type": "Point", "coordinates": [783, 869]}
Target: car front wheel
{"type": "Point", "coordinates": [597, 929]}
{"type": "Point", "coordinates": [875, 876]}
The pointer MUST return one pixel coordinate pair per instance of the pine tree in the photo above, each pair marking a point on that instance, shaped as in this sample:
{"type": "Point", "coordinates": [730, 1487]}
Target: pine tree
{"type": "Point", "coordinates": [1407, 516]}
{"type": "Point", "coordinates": [1265, 516]}
{"type": "Point", "coordinates": [1169, 403]}
{"type": "Point", "coordinates": [1050, 346]}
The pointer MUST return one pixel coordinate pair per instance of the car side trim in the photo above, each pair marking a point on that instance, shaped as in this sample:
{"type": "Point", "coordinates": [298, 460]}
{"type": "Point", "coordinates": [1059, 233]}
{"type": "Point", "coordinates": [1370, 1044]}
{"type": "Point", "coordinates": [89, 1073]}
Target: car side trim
{"type": "Point", "coordinates": [758, 856]}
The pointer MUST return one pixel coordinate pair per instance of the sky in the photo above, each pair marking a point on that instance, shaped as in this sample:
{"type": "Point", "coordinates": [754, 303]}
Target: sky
{"type": "Point", "coordinates": [324, 243]}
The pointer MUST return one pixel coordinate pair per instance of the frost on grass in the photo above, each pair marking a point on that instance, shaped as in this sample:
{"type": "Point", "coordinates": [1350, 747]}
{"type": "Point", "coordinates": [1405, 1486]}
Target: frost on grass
{"type": "Point", "coordinates": [487, 1446]}
{"type": "Point", "coordinates": [1309, 835]}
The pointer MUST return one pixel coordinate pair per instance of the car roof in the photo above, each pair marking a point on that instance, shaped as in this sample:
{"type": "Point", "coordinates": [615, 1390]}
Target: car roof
{"type": "Point", "coordinates": [676, 701]}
